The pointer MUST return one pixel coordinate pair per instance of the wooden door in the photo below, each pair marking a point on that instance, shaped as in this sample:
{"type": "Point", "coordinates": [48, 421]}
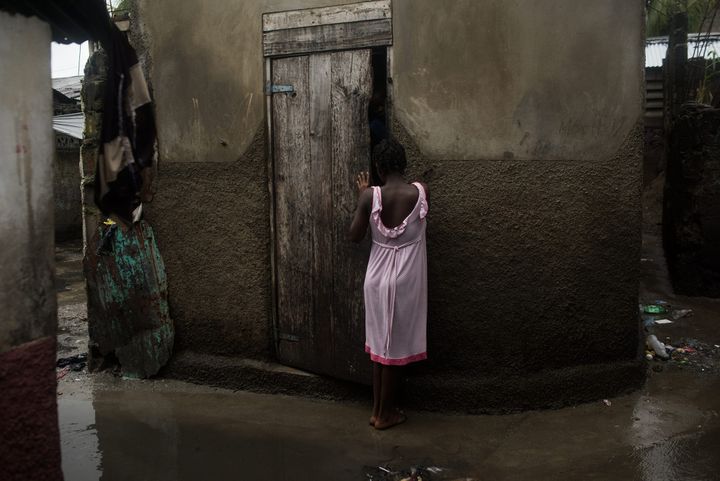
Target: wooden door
{"type": "Point", "coordinates": [320, 141]}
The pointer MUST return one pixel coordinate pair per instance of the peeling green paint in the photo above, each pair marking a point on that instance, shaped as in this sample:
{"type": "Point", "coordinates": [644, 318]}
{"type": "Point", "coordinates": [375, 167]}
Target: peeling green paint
{"type": "Point", "coordinates": [128, 311]}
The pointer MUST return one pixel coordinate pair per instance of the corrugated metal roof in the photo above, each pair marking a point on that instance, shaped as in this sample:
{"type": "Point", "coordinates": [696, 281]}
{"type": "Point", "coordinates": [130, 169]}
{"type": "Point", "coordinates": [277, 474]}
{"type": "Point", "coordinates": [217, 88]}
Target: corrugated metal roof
{"type": "Point", "coordinates": [656, 47]}
{"type": "Point", "coordinates": [68, 86]}
{"type": "Point", "coordinates": [70, 124]}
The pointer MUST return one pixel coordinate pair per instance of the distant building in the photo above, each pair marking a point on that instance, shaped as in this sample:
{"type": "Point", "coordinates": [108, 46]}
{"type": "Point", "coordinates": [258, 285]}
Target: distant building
{"type": "Point", "coordinates": [68, 126]}
{"type": "Point", "coordinates": [699, 45]}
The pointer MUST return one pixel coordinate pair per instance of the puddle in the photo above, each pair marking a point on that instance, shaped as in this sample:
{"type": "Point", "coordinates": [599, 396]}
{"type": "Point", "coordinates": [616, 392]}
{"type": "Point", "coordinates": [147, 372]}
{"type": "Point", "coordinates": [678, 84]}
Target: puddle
{"type": "Point", "coordinates": [114, 429]}
{"type": "Point", "coordinates": [81, 457]}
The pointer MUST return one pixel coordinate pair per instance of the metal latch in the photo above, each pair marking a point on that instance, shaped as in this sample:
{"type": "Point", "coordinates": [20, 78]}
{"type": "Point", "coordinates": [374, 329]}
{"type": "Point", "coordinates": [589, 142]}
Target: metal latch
{"type": "Point", "coordinates": [278, 89]}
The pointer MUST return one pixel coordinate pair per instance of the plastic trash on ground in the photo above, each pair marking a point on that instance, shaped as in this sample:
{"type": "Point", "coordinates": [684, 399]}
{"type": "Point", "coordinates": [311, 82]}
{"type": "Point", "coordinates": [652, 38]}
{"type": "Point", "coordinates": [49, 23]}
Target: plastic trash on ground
{"type": "Point", "coordinates": [680, 313]}
{"type": "Point", "coordinates": [657, 346]}
{"type": "Point", "coordinates": [654, 309]}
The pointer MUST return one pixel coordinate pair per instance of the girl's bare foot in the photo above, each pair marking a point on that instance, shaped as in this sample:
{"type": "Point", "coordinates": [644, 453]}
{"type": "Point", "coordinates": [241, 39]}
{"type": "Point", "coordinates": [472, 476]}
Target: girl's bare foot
{"type": "Point", "coordinates": [373, 420]}
{"type": "Point", "coordinates": [394, 419]}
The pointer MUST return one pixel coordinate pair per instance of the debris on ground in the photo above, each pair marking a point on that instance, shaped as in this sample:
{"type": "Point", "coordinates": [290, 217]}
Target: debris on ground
{"type": "Point", "coordinates": [657, 346]}
{"type": "Point", "coordinates": [607, 402]}
{"type": "Point", "coordinates": [414, 473]}
{"type": "Point", "coordinates": [680, 313]}
{"type": "Point", "coordinates": [684, 353]}
{"type": "Point", "coordinates": [662, 308]}
{"type": "Point", "coordinates": [654, 309]}
{"type": "Point", "coordinates": [62, 373]}
{"type": "Point", "coordinates": [689, 353]}
{"type": "Point", "coordinates": [73, 363]}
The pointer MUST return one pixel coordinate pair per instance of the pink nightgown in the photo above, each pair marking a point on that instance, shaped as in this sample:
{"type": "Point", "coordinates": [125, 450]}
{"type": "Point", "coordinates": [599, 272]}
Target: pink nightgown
{"type": "Point", "coordinates": [396, 286]}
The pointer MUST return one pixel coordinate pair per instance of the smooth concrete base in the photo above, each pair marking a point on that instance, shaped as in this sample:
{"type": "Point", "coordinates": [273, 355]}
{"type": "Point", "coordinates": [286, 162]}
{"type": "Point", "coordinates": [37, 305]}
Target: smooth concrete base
{"type": "Point", "coordinates": [30, 446]}
{"type": "Point", "coordinates": [546, 389]}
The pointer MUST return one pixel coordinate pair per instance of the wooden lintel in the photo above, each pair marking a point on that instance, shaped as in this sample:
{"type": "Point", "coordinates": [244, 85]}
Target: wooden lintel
{"type": "Point", "coordinates": [313, 17]}
{"type": "Point", "coordinates": [339, 36]}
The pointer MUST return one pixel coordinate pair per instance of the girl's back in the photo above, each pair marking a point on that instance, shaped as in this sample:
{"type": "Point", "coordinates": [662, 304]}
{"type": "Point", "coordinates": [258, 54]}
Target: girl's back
{"type": "Point", "coordinates": [398, 202]}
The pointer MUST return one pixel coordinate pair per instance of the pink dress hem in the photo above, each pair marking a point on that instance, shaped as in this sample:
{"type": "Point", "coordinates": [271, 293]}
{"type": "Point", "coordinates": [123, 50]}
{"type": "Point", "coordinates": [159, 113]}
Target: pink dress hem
{"type": "Point", "coordinates": [395, 362]}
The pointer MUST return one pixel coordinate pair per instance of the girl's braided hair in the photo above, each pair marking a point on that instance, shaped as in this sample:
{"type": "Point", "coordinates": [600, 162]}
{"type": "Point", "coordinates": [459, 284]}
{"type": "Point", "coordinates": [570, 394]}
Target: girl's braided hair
{"type": "Point", "coordinates": [389, 156]}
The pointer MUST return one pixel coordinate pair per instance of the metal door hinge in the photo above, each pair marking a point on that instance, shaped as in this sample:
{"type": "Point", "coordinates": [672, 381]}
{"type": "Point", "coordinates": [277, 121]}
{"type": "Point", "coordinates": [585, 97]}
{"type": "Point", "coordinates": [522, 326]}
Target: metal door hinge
{"type": "Point", "coordinates": [279, 89]}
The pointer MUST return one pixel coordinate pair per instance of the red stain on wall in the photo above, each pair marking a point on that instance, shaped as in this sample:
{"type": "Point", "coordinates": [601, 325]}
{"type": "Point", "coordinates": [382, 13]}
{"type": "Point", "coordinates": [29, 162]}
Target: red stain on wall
{"type": "Point", "coordinates": [29, 434]}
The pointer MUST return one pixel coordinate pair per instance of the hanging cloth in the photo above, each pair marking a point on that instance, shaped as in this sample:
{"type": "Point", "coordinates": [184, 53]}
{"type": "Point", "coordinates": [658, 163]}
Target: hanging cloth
{"type": "Point", "coordinates": [128, 132]}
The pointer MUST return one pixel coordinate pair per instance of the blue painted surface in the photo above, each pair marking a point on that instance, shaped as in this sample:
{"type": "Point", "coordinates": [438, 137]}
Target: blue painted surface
{"type": "Point", "coordinates": [128, 312]}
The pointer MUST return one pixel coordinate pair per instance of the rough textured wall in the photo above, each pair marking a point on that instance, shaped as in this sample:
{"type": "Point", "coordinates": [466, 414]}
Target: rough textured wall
{"type": "Point", "coordinates": [524, 119]}
{"type": "Point", "coordinates": [212, 226]}
{"type": "Point", "coordinates": [532, 265]}
{"type": "Point", "coordinates": [29, 427]}
{"type": "Point", "coordinates": [68, 205]}
{"type": "Point", "coordinates": [30, 446]}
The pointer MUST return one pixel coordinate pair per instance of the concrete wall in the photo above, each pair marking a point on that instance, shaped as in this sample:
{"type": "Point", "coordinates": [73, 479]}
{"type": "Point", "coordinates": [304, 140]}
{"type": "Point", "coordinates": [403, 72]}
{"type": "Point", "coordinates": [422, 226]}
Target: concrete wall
{"type": "Point", "coordinates": [524, 119]}
{"type": "Point", "coordinates": [68, 205]}
{"type": "Point", "coordinates": [502, 80]}
{"type": "Point", "coordinates": [28, 428]}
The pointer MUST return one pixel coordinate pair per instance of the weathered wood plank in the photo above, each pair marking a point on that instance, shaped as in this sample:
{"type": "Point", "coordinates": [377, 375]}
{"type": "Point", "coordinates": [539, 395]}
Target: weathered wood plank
{"type": "Point", "coordinates": [320, 140]}
{"type": "Point", "coordinates": [293, 222]}
{"type": "Point", "coordinates": [354, 12]}
{"type": "Point", "coordinates": [340, 36]}
{"type": "Point", "coordinates": [320, 206]}
{"type": "Point", "coordinates": [271, 191]}
{"type": "Point", "coordinates": [351, 91]}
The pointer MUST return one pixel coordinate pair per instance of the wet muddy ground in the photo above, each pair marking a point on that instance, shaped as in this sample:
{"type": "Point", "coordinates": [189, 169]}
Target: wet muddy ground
{"type": "Point", "coordinates": [116, 429]}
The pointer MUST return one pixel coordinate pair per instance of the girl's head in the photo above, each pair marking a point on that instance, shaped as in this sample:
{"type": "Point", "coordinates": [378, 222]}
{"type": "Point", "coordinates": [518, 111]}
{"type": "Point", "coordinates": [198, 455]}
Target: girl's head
{"type": "Point", "coordinates": [389, 158]}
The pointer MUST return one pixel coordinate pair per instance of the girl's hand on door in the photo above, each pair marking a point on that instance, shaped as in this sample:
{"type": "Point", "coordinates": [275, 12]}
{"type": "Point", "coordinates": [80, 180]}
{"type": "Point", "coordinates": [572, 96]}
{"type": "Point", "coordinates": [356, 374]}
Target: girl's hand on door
{"type": "Point", "coordinates": [363, 182]}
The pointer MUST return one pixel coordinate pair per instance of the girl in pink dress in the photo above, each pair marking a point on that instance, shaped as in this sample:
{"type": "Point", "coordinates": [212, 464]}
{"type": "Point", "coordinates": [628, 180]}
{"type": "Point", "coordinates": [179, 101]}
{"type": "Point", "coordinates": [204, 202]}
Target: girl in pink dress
{"type": "Point", "coordinates": [396, 278]}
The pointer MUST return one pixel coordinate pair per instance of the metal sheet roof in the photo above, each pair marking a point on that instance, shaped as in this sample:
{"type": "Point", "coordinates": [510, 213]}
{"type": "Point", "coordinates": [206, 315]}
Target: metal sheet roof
{"type": "Point", "coordinates": [656, 47]}
{"type": "Point", "coordinates": [68, 86]}
{"type": "Point", "coordinates": [70, 124]}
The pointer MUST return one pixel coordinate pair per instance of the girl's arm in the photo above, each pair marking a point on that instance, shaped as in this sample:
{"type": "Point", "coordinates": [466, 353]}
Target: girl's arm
{"type": "Point", "coordinates": [359, 225]}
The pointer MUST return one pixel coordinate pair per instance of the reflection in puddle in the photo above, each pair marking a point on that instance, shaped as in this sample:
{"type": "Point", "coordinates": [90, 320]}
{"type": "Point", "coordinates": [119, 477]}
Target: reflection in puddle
{"type": "Point", "coordinates": [81, 457]}
{"type": "Point", "coordinates": [147, 432]}
{"type": "Point", "coordinates": [690, 457]}
{"type": "Point", "coordinates": [675, 438]}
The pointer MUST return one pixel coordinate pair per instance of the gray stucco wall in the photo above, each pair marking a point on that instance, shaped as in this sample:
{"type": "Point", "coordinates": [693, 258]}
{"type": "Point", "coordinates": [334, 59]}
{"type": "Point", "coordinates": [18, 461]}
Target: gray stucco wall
{"type": "Point", "coordinates": [27, 294]}
{"type": "Point", "coordinates": [498, 80]}
{"type": "Point", "coordinates": [523, 119]}
{"type": "Point", "coordinates": [68, 204]}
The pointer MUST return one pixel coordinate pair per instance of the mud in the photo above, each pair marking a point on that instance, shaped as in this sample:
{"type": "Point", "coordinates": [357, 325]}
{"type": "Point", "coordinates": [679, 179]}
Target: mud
{"type": "Point", "coordinates": [72, 304]}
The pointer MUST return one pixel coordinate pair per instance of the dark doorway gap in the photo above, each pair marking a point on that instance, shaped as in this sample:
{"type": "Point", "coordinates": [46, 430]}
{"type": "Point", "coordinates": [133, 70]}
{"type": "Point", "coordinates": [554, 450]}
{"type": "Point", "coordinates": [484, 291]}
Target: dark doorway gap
{"type": "Point", "coordinates": [377, 107]}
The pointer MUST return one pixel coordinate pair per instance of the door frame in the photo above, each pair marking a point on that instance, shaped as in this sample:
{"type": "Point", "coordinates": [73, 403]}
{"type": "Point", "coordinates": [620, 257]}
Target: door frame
{"type": "Point", "coordinates": [315, 19]}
